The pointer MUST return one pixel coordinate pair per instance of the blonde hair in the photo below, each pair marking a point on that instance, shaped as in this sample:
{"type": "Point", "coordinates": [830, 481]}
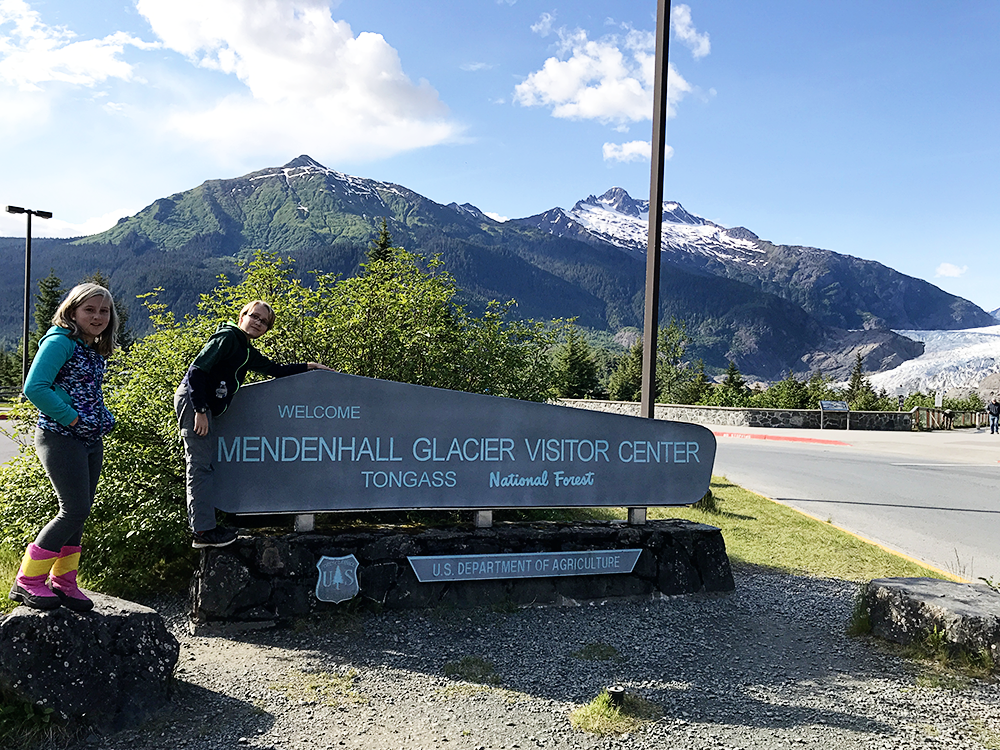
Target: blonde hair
{"type": "Point", "coordinates": [105, 343]}
{"type": "Point", "coordinates": [250, 306]}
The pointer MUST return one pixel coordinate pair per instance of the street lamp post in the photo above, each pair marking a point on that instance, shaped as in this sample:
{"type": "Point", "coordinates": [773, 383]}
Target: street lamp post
{"type": "Point", "coordinates": [27, 282]}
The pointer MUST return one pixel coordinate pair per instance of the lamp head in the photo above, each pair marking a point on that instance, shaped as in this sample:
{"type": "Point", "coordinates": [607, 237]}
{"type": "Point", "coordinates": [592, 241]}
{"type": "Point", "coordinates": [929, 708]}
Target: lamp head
{"type": "Point", "coordinates": [15, 210]}
{"type": "Point", "coordinates": [43, 214]}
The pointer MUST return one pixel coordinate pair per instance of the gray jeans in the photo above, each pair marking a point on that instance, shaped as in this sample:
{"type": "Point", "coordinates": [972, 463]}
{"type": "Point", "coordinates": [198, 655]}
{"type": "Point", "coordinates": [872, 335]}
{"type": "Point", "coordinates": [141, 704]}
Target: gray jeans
{"type": "Point", "coordinates": [199, 473]}
{"type": "Point", "coordinates": [73, 468]}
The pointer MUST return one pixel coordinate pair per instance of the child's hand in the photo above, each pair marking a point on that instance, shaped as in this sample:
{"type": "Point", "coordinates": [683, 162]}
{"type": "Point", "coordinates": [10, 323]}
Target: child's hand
{"type": "Point", "coordinates": [200, 424]}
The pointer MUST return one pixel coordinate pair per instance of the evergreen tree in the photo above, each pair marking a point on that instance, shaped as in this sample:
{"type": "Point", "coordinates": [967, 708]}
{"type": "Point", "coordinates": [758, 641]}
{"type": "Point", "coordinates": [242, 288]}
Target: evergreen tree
{"type": "Point", "coordinates": [733, 391]}
{"type": "Point", "coordinates": [819, 389]}
{"type": "Point", "coordinates": [626, 381]}
{"type": "Point", "coordinates": [10, 369]}
{"type": "Point", "coordinates": [697, 386]}
{"type": "Point", "coordinates": [381, 247]}
{"type": "Point", "coordinates": [50, 294]}
{"type": "Point", "coordinates": [860, 395]}
{"type": "Point", "coordinates": [576, 368]}
{"type": "Point", "coordinates": [672, 376]}
{"type": "Point", "coordinates": [789, 393]}
{"type": "Point", "coordinates": [856, 383]}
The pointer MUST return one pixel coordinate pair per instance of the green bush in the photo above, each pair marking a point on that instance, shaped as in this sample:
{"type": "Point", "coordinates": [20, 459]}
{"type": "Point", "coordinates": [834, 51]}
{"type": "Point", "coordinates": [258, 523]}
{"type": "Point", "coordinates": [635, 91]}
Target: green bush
{"type": "Point", "coordinates": [399, 320]}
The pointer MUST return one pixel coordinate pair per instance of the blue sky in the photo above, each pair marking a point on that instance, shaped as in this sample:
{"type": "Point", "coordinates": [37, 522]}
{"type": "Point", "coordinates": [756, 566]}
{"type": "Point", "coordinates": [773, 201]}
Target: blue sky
{"type": "Point", "coordinates": [867, 128]}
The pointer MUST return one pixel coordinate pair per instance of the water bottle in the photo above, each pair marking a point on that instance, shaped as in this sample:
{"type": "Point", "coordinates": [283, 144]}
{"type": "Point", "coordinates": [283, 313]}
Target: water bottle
{"type": "Point", "coordinates": [221, 391]}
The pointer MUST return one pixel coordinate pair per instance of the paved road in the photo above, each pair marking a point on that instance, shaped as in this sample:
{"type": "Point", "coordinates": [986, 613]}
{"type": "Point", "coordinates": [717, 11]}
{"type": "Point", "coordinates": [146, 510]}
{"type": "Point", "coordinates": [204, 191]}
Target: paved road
{"type": "Point", "coordinates": [932, 496]}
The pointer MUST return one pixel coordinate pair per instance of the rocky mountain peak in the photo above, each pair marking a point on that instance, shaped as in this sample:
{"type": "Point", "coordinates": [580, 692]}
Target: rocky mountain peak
{"type": "Point", "coordinates": [303, 161]}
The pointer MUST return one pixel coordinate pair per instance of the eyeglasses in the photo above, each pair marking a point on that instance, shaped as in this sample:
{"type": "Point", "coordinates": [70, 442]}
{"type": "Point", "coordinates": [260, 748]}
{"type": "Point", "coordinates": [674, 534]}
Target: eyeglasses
{"type": "Point", "coordinates": [262, 321]}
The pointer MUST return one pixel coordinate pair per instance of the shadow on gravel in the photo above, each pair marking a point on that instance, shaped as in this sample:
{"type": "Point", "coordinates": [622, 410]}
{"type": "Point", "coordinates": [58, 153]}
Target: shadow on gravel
{"type": "Point", "coordinates": [772, 655]}
{"type": "Point", "coordinates": [196, 714]}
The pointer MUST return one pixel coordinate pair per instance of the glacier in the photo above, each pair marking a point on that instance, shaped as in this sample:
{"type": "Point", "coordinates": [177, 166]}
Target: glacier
{"type": "Point", "coordinates": [951, 359]}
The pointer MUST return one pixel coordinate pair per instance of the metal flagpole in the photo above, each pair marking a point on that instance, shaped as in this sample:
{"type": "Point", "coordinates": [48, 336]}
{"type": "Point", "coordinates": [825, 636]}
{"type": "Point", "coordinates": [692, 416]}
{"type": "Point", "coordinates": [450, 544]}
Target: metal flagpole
{"type": "Point", "coordinates": [651, 321]}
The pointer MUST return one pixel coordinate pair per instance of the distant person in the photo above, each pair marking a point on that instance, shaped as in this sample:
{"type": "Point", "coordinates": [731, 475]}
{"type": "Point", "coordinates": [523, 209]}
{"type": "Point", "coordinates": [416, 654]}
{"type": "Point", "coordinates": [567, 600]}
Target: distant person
{"type": "Point", "coordinates": [993, 409]}
{"type": "Point", "coordinates": [204, 395]}
{"type": "Point", "coordinates": [65, 383]}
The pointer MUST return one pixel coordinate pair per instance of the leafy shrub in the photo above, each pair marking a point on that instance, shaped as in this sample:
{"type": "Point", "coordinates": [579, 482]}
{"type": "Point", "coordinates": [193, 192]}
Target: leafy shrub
{"type": "Point", "coordinates": [399, 320]}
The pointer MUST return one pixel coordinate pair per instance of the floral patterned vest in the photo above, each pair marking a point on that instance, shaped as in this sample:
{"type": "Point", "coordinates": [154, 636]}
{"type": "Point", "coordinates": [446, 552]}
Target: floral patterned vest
{"type": "Point", "coordinates": [82, 378]}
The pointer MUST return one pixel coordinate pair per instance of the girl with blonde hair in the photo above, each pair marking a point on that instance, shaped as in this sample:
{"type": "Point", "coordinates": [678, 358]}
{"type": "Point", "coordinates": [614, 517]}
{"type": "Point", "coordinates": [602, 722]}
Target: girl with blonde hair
{"type": "Point", "coordinates": [65, 383]}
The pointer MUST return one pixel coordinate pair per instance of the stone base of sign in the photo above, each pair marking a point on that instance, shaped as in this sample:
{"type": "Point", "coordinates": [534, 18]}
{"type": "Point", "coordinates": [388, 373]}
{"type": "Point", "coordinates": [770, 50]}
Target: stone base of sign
{"type": "Point", "coordinates": [261, 580]}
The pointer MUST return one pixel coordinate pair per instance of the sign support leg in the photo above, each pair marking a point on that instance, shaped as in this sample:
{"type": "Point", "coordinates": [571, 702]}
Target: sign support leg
{"type": "Point", "coordinates": [636, 516]}
{"type": "Point", "coordinates": [305, 522]}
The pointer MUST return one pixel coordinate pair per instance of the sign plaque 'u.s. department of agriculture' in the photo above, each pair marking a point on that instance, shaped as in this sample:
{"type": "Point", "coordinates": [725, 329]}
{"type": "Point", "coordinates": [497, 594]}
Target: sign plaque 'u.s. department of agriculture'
{"type": "Point", "coordinates": [325, 441]}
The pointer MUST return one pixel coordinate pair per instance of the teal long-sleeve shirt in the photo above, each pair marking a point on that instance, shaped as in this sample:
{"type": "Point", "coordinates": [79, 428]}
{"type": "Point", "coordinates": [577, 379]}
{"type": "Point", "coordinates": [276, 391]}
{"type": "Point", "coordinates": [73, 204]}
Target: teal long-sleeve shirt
{"type": "Point", "coordinates": [40, 388]}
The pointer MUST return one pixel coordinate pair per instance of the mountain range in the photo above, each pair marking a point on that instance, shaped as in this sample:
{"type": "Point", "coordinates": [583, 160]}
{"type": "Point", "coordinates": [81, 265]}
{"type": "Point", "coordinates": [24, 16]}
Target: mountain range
{"type": "Point", "coordinates": [769, 308]}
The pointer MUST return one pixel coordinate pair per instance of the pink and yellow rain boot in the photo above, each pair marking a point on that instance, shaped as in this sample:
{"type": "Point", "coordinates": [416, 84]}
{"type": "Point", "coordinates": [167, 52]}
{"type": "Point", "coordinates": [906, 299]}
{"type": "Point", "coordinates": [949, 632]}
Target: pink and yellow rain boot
{"type": "Point", "coordinates": [63, 580]}
{"type": "Point", "coordinates": [29, 586]}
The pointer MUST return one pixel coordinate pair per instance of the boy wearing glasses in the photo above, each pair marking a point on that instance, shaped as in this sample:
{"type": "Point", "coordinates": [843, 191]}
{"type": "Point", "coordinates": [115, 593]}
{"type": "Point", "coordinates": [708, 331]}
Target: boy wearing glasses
{"type": "Point", "coordinates": [205, 393]}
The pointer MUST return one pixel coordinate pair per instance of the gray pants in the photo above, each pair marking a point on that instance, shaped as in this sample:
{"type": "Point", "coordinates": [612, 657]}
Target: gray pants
{"type": "Point", "coordinates": [73, 468]}
{"type": "Point", "coordinates": [199, 473]}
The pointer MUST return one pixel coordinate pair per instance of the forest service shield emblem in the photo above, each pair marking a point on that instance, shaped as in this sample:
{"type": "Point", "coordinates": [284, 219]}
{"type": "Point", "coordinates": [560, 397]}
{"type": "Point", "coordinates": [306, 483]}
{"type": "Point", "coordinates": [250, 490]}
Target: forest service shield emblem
{"type": "Point", "coordinates": [338, 579]}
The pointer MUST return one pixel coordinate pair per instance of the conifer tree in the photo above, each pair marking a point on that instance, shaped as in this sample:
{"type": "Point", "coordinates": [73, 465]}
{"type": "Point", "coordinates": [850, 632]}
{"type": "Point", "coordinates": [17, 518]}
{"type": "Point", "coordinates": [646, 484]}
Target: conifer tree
{"type": "Point", "coordinates": [576, 368]}
{"type": "Point", "coordinates": [672, 376]}
{"type": "Point", "coordinates": [50, 294]}
{"type": "Point", "coordinates": [733, 391]}
{"type": "Point", "coordinates": [626, 381]}
{"type": "Point", "coordinates": [381, 247]}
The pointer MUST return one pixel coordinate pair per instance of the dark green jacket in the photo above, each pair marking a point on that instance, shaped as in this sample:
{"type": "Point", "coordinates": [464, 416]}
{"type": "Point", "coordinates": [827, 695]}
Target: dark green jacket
{"type": "Point", "coordinates": [222, 365]}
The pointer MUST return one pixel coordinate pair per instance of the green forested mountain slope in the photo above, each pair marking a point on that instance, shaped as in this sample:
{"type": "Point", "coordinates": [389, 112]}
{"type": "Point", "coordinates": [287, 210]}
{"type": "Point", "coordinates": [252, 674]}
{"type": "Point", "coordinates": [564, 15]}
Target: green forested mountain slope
{"type": "Point", "coordinates": [325, 220]}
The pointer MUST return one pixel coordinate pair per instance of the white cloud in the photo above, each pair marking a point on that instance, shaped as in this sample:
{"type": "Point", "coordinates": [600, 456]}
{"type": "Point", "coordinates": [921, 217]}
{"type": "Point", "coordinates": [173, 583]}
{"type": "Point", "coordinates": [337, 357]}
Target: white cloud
{"type": "Point", "coordinates": [307, 80]}
{"type": "Point", "coordinates": [34, 53]}
{"type": "Point", "coordinates": [949, 270]}
{"type": "Point", "coordinates": [16, 225]}
{"type": "Point", "coordinates": [543, 25]}
{"type": "Point", "coordinates": [497, 217]}
{"type": "Point", "coordinates": [475, 67]}
{"type": "Point", "coordinates": [609, 80]}
{"type": "Point", "coordinates": [680, 22]}
{"type": "Point", "coordinates": [632, 151]}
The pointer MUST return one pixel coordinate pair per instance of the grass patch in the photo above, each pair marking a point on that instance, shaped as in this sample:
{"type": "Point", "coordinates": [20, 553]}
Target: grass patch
{"type": "Point", "coordinates": [10, 563]}
{"type": "Point", "coordinates": [944, 664]}
{"type": "Point", "coordinates": [860, 622]}
{"type": "Point", "coordinates": [985, 735]}
{"type": "Point", "coordinates": [603, 717]}
{"type": "Point", "coordinates": [762, 532]}
{"type": "Point", "coordinates": [320, 687]}
{"type": "Point", "coordinates": [597, 652]}
{"type": "Point", "coordinates": [472, 669]}
{"type": "Point", "coordinates": [25, 725]}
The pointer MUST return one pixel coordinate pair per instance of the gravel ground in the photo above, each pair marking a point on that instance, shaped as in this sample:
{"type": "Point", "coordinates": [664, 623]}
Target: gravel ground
{"type": "Point", "coordinates": [769, 666]}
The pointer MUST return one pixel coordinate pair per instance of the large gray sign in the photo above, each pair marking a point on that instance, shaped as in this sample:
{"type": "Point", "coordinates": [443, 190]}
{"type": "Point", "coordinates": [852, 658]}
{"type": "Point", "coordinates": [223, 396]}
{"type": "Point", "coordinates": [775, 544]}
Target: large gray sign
{"type": "Point", "coordinates": [325, 441]}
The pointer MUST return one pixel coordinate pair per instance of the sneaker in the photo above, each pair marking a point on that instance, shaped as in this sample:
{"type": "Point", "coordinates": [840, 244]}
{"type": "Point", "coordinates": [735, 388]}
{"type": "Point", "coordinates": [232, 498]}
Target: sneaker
{"type": "Point", "coordinates": [220, 536]}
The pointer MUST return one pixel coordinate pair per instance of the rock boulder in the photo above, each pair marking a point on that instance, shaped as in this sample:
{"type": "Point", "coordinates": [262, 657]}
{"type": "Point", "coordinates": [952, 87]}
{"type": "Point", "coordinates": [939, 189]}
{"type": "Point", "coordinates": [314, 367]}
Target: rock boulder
{"type": "Point", "coordinates": [906, 609]}
{"type": "Point", "coordinates": [108, 668]}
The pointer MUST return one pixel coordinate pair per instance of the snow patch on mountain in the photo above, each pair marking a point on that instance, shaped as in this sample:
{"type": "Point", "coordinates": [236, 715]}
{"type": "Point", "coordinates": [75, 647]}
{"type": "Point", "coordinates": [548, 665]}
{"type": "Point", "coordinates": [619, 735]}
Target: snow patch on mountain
{"type": "Point", "coordinates": [617, 218]}
{"type": "Point", "coordinates": [951, 359]}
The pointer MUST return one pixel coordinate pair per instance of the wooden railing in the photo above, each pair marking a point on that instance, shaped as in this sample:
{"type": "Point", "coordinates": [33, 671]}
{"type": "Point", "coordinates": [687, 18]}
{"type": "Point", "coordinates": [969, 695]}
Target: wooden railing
{"type": "Point", "coordinates": [945, 419]}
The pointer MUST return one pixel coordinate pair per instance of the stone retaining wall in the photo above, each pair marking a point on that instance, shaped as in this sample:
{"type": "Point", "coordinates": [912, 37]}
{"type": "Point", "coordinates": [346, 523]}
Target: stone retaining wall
{"type": "Point", "coordinates": [269, 579]}
{"type": "Point", "coordinates": [746, 417]}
